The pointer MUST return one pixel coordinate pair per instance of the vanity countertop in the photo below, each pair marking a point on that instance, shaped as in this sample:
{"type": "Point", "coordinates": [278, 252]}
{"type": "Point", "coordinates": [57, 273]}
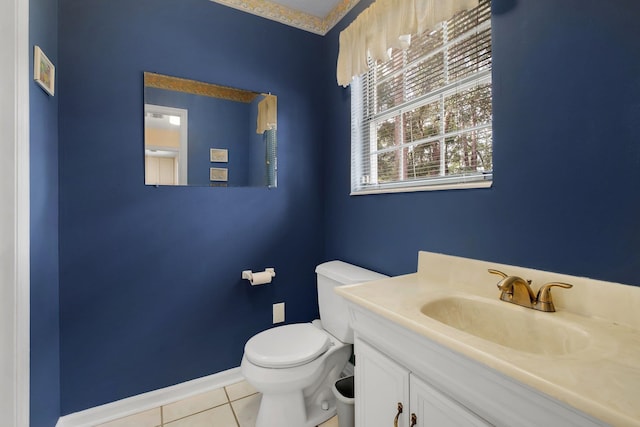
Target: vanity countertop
{"type": "Point", "coordinates": [602, 379]}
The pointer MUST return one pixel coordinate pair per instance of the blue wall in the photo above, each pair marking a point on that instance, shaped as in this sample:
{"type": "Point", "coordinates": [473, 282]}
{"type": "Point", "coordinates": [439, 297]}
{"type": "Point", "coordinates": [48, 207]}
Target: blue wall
{"type": "Point", "coordinates": [150, 288]}
{"type": "Point", "coordinates": [45, 330]}
{"type": "Point", "coordinates": [213, 123]}
{"type": "Point", "coordinates": [566, 78]}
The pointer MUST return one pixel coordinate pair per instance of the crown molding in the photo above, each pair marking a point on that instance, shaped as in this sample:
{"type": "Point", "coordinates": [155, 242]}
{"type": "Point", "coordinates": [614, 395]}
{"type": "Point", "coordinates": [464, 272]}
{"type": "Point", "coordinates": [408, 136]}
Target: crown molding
{"type": "Point", "coordinates": [304, 21]}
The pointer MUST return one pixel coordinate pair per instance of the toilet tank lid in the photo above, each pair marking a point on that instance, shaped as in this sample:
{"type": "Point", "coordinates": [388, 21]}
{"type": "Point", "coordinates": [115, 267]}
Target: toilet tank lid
{"type": "Point", "coordinates": [347, 274]}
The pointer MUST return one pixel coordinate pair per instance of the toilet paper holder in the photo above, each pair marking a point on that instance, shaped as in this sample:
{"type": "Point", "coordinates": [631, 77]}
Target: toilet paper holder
{"type": "Point", "coordinates": [260, 278]}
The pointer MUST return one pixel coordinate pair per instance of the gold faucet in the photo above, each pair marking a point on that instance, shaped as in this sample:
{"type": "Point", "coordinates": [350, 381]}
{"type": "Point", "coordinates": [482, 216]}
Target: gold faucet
{"type": "Point", "coordinates": [516, 290]}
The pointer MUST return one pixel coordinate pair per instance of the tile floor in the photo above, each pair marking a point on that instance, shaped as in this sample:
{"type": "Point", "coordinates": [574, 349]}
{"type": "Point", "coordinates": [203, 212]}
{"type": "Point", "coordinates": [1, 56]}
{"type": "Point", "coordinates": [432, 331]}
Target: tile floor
{"type": "Point", "coordinates": [235, 405]}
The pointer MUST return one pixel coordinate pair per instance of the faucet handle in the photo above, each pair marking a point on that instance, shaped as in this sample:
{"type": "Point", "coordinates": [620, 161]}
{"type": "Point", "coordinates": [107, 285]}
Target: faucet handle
{"type": "Point", "coordinates": [498, 272]}
{"type": "Point", "coordinates": [503, 275]}
{"type": "Point", "coordinates": [544, 301]}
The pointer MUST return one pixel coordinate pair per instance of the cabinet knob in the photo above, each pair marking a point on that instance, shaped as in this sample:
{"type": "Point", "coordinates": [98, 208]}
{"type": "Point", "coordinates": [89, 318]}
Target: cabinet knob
{"type": "Point", "coordinates": [395, 420]}
{"type": "Point", "coordinates": [414, 420]}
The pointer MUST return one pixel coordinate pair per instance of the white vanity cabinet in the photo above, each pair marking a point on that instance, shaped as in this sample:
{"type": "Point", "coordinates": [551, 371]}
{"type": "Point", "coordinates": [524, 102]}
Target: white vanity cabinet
{"type": "Point", "coordinates": [383, 387]}
{"type": "Point", "coordinates": [442, 387]}
{"type": "Point", "coordinates": [380, 385]}
{"type": "Point", "coordinates": [434, 409]}
{"type": "Point", "coordinates": [443, 343]}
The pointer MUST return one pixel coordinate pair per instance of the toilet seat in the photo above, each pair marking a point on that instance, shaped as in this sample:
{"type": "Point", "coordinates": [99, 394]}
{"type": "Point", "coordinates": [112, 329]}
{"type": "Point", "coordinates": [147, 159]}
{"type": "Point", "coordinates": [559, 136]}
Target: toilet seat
{"type": "Point", "coordinates": [287, 346]}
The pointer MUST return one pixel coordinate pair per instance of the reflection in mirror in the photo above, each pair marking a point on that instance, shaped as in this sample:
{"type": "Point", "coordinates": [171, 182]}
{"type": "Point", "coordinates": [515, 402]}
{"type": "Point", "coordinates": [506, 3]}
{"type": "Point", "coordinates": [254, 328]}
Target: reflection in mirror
{"type": "Point", "coordinates": [201, 134]}
{"type": "Point", "coordinates": [166, 151]}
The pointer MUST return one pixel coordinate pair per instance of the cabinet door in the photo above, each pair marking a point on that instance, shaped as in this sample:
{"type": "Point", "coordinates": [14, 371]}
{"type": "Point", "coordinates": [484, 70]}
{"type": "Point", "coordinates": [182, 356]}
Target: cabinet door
{"type": "Point", "coordinates": [380, 384]}
{"type": "Point", "coordinates": [434, 409]}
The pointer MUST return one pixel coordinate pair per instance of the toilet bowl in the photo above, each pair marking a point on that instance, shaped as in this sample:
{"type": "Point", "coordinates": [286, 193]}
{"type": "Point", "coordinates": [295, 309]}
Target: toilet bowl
{"type": "Point", "coordinates": [295, 366]}
{"type": "Point", "coordinates": [296, 393]}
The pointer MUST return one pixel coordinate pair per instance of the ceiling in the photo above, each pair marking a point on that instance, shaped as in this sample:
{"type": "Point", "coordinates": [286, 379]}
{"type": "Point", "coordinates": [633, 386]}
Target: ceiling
{"type": "Point", "coordinates": [320, 8]}
{"type": "Point", "coordinates": [316, 16]}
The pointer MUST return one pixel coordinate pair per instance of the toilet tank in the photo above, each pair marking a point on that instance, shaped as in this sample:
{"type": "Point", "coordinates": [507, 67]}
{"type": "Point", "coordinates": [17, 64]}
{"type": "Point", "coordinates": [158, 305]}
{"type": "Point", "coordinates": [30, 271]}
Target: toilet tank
{"type": "Point", "coordinates": [333, 308]}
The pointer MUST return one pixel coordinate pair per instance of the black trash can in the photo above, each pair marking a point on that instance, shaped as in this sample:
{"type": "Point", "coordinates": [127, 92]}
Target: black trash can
{"type": "Point", "coordinates": [343, 390]}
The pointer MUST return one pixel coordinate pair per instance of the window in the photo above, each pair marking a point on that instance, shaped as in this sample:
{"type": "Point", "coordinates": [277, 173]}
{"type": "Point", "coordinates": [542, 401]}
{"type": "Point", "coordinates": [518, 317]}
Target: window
{"type": "Point", "coordinates": [422, 119]}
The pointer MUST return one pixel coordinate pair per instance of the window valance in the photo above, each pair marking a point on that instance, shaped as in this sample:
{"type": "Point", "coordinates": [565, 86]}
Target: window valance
{"type": "Point", "coordinates": [386, 24]}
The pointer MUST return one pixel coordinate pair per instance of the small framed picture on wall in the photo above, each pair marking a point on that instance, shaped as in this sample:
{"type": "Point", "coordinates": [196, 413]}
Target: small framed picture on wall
{"type": "Point", "coordinates": [44, 71]}
{"type": "Point", "coordinates": [219, 155]}
{"type": "Point", "coordinates": [218, 174]}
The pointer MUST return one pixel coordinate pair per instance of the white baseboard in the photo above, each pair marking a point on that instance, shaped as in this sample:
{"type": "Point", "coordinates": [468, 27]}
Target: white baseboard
{"type": "Point", "coordinates": [153, 399]}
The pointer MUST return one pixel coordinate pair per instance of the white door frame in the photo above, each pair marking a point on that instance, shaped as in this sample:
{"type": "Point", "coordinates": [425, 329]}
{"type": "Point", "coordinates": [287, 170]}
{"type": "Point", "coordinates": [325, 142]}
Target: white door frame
{"type": "Point", "coordinates": [14, 213]}
{"type": "Point", "coordinates": [183, 152]}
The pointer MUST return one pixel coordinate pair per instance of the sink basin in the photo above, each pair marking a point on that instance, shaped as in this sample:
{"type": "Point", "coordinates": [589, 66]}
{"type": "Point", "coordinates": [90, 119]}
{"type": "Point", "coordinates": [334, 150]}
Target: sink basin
{"type": "Point", "coordinates": [509, 325]}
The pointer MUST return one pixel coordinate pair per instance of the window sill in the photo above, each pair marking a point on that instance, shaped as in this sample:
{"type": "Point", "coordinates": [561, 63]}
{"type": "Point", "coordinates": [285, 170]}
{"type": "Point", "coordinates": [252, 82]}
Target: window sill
{"type": "Point", "coordinates": [436, 187]}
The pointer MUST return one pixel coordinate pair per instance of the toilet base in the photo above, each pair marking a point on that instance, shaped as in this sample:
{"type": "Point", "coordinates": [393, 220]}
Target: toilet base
{"type": "Point", "coordinates": [289, 410]}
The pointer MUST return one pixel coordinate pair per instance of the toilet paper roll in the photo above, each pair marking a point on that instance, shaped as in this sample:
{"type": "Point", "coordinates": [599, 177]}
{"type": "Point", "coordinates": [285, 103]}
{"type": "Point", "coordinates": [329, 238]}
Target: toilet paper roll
{"type": "Point", "coordinates": [260, 278]}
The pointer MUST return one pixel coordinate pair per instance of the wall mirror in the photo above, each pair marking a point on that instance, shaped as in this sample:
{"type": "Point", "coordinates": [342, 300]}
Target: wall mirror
{"type": "Point", "coordinates": [203, 134]}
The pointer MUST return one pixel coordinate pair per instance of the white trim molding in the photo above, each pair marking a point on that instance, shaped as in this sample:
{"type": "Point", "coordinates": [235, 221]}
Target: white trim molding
{"type": "Point", "coordinates": [153, 399]}
{"type": "Point", "coordinates": [14, 214]}
{"type": "Point", "coordinates": [23, 220]}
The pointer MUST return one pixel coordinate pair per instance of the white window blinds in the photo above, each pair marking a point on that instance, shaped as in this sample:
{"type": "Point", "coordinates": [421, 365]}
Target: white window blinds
{"type": "Point", "coordinates": [423, 118]}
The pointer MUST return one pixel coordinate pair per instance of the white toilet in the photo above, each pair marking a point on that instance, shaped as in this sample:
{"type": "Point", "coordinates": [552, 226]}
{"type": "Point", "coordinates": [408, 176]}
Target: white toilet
{"type": "Point", "coordinates": [294, 366]}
